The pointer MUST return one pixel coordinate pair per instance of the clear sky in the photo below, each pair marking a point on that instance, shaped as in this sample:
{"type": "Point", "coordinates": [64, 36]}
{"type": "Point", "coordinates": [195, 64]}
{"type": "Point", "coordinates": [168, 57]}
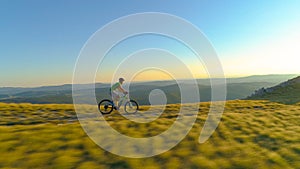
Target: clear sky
{"type": "Point", "coordinates": [40, 40]}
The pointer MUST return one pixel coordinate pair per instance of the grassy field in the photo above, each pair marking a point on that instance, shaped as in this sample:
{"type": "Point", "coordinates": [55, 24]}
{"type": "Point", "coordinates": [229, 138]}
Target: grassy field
{"type": "Point", "coordinates": [252, 134]}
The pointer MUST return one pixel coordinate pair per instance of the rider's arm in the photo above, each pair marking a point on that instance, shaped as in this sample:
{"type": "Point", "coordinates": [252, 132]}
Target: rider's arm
{"type": "Point", "coordinates": [121, 89]}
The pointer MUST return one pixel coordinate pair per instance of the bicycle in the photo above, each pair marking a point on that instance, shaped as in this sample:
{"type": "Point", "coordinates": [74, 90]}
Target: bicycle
{"type": "Point", "coordinates": [106, 106]}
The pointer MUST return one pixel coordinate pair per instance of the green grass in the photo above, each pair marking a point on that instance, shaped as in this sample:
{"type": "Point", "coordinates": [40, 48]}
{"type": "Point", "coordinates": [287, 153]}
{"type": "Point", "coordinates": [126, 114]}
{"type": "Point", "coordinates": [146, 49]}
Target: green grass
{"type": "Point", "coordinates": [252, 134]}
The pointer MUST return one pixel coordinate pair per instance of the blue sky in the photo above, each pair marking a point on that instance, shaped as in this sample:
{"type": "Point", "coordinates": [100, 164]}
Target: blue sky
{"type": "Point", "coordinates": [40, 40]}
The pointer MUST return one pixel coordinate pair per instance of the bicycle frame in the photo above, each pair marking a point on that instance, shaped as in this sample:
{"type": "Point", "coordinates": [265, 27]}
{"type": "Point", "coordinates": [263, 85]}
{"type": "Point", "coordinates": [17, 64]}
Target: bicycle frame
{"type": "Point", "coordinates": [122, 100]}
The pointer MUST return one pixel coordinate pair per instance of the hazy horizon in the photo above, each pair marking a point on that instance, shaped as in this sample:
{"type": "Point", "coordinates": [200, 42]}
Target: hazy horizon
{"type": "Point", "coordinates": [145, 81]}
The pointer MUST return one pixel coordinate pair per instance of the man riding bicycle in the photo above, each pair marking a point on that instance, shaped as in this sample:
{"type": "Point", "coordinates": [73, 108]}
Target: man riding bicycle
{"type": "Point", "coordinates": [119, 97]}
{"type": "Point", "coordinates": [117, 91]}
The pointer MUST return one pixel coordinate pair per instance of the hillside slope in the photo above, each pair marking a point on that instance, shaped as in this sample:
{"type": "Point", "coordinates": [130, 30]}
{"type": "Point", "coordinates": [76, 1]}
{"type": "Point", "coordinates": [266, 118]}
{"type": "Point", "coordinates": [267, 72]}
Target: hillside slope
{"type": "Point", "coordinates": [287, 92]}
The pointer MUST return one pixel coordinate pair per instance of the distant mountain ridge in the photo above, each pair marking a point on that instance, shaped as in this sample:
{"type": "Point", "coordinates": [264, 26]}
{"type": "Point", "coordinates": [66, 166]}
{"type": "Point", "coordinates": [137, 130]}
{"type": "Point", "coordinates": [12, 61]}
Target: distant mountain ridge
{"type": "Point", "coordinates": [286, 92]}
{"type": "Point", "coordinates": [237, 88]}
{"type": "Point", "coordinates": [274, 78]}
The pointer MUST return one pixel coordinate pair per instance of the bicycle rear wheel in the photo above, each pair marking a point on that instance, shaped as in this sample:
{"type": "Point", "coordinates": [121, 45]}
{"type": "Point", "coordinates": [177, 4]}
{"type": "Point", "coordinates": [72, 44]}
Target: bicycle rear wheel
{"type": "Point", "coordinates": [106, 106]}
{"type": "Point", "coordinates": [131, 106]}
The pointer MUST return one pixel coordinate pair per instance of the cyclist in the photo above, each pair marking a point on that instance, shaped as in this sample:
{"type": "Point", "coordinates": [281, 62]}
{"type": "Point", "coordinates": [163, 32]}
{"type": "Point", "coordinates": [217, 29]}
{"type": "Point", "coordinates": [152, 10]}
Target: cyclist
{"type": "Point", "coordinates": [116, 92]}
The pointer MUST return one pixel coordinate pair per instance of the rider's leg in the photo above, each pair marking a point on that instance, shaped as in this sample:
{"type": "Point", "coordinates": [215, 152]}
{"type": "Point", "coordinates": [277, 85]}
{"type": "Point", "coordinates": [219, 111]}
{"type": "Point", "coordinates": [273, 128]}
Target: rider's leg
{"type": "Point", "coordinates": [117, 102]}
{"type": "Point", "coordinates": [115, 98]}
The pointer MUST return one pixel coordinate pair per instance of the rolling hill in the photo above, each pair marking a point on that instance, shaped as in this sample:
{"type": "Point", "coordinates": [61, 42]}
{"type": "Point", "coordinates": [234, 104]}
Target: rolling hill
{"type": "Point", "coordinates": [50, 136]}
{"type": "Point", "coordinates": [287, 92]}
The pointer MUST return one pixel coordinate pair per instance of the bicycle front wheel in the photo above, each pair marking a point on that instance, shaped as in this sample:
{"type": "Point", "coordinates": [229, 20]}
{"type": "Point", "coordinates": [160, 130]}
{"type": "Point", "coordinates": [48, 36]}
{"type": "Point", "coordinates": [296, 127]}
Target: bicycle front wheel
{"type": "Point", "coordinates": [131, 106]}
{"type": "Point", "coordinates": [105, 106]}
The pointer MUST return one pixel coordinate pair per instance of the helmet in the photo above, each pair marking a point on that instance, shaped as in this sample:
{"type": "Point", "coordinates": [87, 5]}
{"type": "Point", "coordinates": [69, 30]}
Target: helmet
{"type": "Point", "coordinates": [121, 79]}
